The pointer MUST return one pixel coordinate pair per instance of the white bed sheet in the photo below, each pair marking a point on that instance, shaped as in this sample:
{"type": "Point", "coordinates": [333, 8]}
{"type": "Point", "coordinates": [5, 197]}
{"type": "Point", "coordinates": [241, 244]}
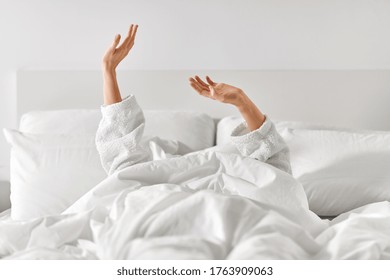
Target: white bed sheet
{"type": "Point", "coordinates": [207, 205]}
{"type": "Point", "coordinates": [5, 215]}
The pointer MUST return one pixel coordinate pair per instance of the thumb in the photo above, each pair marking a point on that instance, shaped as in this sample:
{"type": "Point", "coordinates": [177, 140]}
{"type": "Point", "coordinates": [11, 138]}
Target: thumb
{"type": "Point", "coordinates": [211, 82]}
{"type": "Point", "coordinates": [212, 90]}
{"type": "Point", "coordinates": [116, 41]}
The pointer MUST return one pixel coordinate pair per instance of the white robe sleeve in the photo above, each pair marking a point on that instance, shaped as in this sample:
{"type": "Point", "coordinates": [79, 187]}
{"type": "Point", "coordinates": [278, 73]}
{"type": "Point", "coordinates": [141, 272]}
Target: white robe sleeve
{"type": "Point", "coordinates": [264, 144]}
{"type": "Point", "coordinates": [118, 138]}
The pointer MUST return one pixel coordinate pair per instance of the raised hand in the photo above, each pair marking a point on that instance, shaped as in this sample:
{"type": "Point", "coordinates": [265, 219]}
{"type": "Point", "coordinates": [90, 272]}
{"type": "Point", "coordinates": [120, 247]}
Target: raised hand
{"type": "Point", "coordinates": [114, 55]}
{"type": "Point", "coordinates": [218, 91]}
{"type": "Point", "coordinates": [232, 95]}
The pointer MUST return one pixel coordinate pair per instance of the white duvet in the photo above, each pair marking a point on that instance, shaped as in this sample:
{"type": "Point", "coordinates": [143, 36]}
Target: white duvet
{"type": "Point", "coordinates": [207, 205]}
{"type": "Point", "coordinates": [222, 203]}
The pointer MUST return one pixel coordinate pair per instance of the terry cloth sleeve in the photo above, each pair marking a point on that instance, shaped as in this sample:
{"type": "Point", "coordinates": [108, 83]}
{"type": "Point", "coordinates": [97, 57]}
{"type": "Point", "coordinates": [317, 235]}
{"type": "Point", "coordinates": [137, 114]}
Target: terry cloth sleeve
{"type": "Point", "coordinates": [118, 138]}
{"type": "Point", "coordinates": [264, 144]}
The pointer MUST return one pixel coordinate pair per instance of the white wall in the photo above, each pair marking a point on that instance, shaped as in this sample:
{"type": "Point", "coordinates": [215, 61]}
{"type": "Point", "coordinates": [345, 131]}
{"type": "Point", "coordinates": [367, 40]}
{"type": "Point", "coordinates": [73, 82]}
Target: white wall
{"type": "Point", "coordinates": [201, 34]}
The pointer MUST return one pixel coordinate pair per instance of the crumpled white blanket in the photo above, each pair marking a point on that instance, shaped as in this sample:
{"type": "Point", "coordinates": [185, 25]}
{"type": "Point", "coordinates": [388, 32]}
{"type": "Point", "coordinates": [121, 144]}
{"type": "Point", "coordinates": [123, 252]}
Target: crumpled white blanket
{"type": "Point", "coordinates": [220, 203]}
{"type": "Point", "coordinates": [207, 205]}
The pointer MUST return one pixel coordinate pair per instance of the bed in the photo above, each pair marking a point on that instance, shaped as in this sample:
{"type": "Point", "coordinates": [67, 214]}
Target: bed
{"type": "Point", "coordinates": [211, 203]}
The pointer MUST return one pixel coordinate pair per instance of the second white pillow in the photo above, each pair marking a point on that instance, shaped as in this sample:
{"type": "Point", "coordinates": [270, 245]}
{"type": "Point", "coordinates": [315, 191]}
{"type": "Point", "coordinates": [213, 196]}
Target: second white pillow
{"type": "Point", "coordinates": [50, 172]}
{"type": "Point", "coordinates": [194, 130]}
{"type": "Point", "coordinates": [340, 170]}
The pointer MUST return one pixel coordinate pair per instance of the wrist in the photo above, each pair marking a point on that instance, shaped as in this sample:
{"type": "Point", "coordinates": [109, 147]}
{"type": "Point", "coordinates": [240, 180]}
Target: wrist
{"type": "Point", "coordinates": [108, 65]}
{"type": "Point", "coordinates": [109, 72]}
{"type": "Point", "coordinates": [243, 101]}
{"type": "Point", "coordinates": [249, 111]}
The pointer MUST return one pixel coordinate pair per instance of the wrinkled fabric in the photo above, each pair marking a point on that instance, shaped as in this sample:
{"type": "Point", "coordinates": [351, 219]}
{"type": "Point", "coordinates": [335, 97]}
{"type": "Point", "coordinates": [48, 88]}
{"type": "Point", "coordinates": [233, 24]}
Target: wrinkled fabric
{"type": "Point", "coordinates": [202, 205]}
{"type": "Point", "coordinates": [209, 205]}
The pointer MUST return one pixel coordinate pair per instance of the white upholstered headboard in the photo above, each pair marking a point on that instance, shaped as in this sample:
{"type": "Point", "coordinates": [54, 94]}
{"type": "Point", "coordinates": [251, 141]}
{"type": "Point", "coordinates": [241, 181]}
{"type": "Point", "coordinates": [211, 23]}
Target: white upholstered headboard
{"type": "Point", "coordinates": [348, 98]}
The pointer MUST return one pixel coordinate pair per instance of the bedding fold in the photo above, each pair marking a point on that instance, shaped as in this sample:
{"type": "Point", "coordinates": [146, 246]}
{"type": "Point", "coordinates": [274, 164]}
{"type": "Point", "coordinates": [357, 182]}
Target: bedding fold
{"type": "Point", "coordinates": [207, 205]}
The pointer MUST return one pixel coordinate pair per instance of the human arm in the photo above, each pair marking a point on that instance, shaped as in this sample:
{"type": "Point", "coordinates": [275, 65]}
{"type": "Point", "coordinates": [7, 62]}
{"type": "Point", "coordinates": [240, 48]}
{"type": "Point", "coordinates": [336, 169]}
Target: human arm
{"type": "Point", "coordinates": [232, 95]}
{"type": "Point", "coordinates": [118, 138]}
{"type": "Point", "coordinates": [256, 137]}
{"type": "Point", "coordinates": [113, 56]}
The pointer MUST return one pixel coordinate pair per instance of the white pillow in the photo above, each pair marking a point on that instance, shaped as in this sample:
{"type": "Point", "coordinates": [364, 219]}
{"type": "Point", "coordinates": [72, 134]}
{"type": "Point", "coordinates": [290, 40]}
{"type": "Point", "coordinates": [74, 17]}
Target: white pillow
{"type": "Point", "coordinates": [225, 127]}
{"type": "Point", "coordinates": [50, 172]}
{"type": "Point", "coordinates": [58, 147]}
{"type": "Point", "coordinates": [340, 170]}
{"type": "Point", "coordinates": [195, 130]}
{"type": "Point", "coordinates": [77, 121]}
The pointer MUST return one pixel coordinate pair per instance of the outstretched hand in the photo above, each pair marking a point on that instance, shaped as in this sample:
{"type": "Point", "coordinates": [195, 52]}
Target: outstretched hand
{"type": "Point", "coordinates": [229, 94]}
{"type": "Point", "coordinates": [218, 91]}
{"type": "Point", "coordinates": [114, 55]}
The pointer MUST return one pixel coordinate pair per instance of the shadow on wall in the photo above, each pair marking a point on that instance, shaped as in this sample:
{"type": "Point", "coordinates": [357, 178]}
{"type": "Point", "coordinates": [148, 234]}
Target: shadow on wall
{"type": "Point", "coordinates": [4, 196]}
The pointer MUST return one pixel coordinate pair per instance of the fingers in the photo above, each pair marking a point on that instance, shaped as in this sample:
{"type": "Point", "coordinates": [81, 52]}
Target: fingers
{"type": "Point", "coordinates": [199, 87]}
{"type": "Point", "coordinates": [205, 89]}
{"type": "Point", "coordinates": [129, 40]}
{"type": "Point", "coordinates": [126, 41]}
{"type": "Point", "coordinates": [203, 84]}
{"type": "Point", "coordinates": [130, 32]}
{"type": "Point", "coordinates": [210, 81]}
{"type": "Point", "coordinates": [134, 32]}
{"type": "Point", "coordinates": [131, 35]}
{"type": "Point", "coordinates": [212, 92]}
{"type": "Point", "coordinates": [195, 85]}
